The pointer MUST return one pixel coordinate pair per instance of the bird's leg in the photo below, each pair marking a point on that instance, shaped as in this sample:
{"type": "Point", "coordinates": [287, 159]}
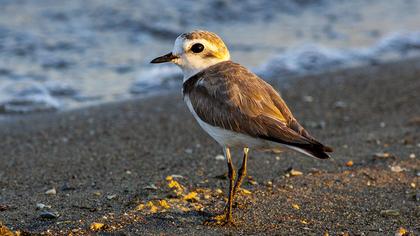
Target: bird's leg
{"type": "Point", "coordinates": [242, 172]}
{"type": "Point", "coordinates": [231, 174]}
{"type": "Point", "coordinates": [226, 218]}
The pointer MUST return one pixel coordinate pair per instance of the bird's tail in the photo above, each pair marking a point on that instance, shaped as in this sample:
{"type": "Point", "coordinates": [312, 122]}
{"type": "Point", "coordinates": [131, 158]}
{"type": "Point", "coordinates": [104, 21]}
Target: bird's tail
{"type": "Point", "coordinates": [316, 149]}
{"type": "Point", "coordinates": [313, 148]}
{"type": "Point", "coordinates": [319, 151]}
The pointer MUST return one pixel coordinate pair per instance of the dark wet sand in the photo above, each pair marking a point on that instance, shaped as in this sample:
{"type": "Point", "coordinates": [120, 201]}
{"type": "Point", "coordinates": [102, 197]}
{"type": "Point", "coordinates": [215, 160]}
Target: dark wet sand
{"type": "Point", "coordinates": [100, 159]}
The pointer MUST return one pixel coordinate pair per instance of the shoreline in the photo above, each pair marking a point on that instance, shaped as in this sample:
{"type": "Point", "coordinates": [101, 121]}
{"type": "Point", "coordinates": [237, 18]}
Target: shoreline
{"type": "Point", "coordinates": [9, 118]}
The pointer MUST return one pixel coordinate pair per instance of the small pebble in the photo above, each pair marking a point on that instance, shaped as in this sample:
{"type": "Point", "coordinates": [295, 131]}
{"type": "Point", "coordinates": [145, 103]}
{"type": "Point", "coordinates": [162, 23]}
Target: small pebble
{"type": "Point", "coordinates": [192, 197]}
{"type": "Point", "coordinates": [401, 232]}
{"type": "Point", "coordinates": [296, 206]}
{"type": "Point", "coordinates": [188, 151]}
{"type": "Point", "coordinates": [96, 226]}
{"type": "Point", "coordinates": [40, 206]}
{"type": "Point", "coordinates": [220, 157]}
{"type": "Point", "coordinates": [293, 172]}
{"type": "Point", "coordinates": [3, 207]}
{"type": "Point", "coordinates": [382, 155]}
{"type": "Point", "coordinates": [150, 187]}
{"type": "Point", "coordinates": [252, 182]}
{"type": "Point", "coordinates": [390, 213]}
{"type": "Point", "coordinates": [382, 124]}
{"type": "Point", "coordinates": [308, 99]}
{"type": "Point", "coordinates": [51, 191]}
{"type": "Point", "coordinates": [397, 169]}
{"type": "Point", "coordinates": [289, 186]}
{"type": "Point", "coordinates": [48, 215]}
{"type": "Point", "coordinates": [340, 104]}
{"type": "Point", "coordinates": [412, 155]}
{"type": "Point", "coordinates": [112, 196]}
{"type": "Point", "coordinates": [177, 176]}
{"type": "Point", "coordinates": [245, 191]}
{"type": "Point", "coordinates": [163, 203]}
{"type": "Point", "coordinates": [349, 163]}
{"type": "Point", "coordinates": [219, 191]}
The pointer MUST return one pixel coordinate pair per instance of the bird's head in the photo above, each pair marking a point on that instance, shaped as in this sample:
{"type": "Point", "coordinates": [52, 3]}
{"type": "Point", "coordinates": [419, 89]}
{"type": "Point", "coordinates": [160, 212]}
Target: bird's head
{"type": "Point", "coordinates": [195, 51]}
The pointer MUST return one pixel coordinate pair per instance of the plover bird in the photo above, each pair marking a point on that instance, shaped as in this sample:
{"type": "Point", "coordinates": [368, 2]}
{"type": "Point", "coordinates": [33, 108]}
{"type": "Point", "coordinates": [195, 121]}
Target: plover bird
{"type": "Point", "coordinates": [234, 106]}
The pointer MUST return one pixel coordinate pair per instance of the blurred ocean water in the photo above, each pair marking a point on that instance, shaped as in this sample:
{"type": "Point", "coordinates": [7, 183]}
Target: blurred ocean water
{"type": "Point", "coordinates": [58, 55]}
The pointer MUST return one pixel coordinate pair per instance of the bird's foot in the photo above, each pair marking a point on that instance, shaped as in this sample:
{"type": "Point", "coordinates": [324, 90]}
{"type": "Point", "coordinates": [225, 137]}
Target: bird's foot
{"type": "Point", "coordinates": [220, 220]}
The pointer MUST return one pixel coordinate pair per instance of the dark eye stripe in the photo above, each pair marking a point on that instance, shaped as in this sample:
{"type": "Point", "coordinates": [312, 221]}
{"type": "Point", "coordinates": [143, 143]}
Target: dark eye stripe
{"type": "Point", "coordinates": [208, 55]}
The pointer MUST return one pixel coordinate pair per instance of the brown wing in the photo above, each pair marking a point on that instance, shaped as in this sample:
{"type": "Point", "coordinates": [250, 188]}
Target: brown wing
{"type": "Point", "coordinates": [291, 121]}
{"type": "Point", "coordinates": [229, 96]}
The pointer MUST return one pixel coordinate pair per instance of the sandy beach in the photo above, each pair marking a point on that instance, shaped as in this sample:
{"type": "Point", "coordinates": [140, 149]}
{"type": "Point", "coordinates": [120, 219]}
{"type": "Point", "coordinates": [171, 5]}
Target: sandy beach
{"type": "Point", "coordinates": [105, 169]}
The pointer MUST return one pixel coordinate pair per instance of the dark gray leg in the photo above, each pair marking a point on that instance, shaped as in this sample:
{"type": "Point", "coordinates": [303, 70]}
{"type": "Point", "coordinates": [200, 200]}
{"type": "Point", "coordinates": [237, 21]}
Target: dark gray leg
{"type": "Point", "coordinates": [242, 172]}
{"type": "Point", "coordinates": [231, 175]}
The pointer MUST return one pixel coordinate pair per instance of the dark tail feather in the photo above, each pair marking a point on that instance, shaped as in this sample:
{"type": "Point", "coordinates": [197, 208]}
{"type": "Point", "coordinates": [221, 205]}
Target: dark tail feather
{"type": "Point", "coordinates": [317, 150]}
{"type": "Point", "coordinates": [311, 148]}
{"type": "Point", "coordinates": [328, 149]}
{"type": "Point", "coordinates": [320, 153]}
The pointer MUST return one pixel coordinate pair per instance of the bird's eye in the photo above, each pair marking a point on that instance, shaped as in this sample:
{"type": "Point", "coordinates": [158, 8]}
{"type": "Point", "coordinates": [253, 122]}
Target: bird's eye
{"type": "Point", "coordinates": [197, 48]}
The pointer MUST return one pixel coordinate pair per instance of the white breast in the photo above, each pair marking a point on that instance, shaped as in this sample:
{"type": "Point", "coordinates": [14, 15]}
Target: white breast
{"type": "Point", "coordinates": [225, 137]}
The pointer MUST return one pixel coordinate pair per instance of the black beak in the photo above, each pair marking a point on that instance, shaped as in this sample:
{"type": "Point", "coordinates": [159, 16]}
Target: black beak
{"type": "Point", "coordinates": [165, 58]}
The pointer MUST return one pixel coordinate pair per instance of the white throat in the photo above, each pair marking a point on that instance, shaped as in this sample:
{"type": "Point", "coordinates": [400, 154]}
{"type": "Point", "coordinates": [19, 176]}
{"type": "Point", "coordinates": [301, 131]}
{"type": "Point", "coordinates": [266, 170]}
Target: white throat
{"type": "Point", "coordinates": [193, 68]}
{"type": "Point", "coordinates": [188, 72]}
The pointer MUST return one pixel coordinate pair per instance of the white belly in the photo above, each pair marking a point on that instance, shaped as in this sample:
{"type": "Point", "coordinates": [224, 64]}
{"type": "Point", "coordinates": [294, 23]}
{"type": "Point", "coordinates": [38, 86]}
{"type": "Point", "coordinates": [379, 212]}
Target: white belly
{"type": "Point", "coordinates": [227, 138]}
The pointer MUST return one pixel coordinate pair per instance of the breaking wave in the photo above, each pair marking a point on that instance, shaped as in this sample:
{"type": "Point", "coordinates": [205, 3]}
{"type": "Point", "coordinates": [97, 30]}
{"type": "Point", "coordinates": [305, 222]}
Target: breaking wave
{"type": "Point", "coordinates": [27, 96]}
{"type": "Point", "coordinates": [312, 58]}
{"type": "Point", "coordinates": [157, 78]}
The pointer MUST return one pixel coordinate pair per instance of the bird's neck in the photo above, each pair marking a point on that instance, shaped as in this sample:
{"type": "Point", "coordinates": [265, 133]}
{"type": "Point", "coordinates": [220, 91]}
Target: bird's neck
{"type": "Point", "coordinates": [195, 68]}
{"type": "Point", "coordinates": [189, 72]}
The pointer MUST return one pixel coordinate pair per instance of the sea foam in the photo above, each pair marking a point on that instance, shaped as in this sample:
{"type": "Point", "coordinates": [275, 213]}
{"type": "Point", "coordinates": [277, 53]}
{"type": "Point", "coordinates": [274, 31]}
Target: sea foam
{"type": "Point", "coordinates": [27, 96]}
{"type": "Point", "coordinates": [156, 78]}
{"type": "Point", "coordinates": [313, 58]}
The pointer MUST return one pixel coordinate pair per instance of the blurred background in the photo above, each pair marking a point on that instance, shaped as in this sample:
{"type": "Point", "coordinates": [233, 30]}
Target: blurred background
{"type": "Point", "coordinates": [60, 55]}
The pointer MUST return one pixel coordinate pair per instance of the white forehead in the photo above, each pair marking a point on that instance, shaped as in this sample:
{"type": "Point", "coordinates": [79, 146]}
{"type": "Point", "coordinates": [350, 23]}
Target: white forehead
{"type": "Point", "coordinates": [182, 44]}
